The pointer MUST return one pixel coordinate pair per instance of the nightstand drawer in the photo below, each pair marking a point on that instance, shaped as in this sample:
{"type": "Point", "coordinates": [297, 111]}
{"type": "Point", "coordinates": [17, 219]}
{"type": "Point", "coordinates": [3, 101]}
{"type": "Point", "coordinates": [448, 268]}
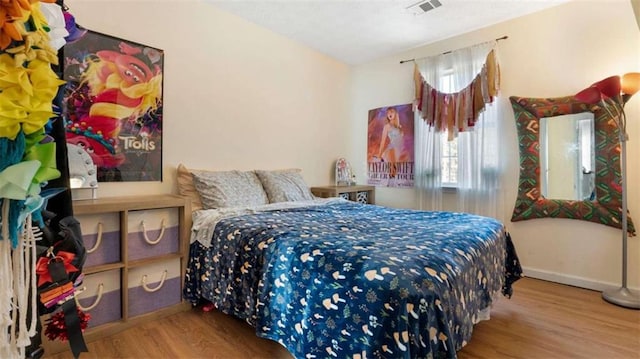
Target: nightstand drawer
{"type": "Point", "coordinates": [101, 237]}
{"type": "Point", "coordinates": [152, 233]}
{"type": "Point", "coordinates": [154, 286]}
{"type": "Point", "coordinates": [101, 297]}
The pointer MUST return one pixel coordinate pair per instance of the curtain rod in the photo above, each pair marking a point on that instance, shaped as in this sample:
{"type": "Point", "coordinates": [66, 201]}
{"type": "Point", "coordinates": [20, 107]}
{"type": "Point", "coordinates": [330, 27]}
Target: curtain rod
{"type": "Point", "coordinates": [448, 52]}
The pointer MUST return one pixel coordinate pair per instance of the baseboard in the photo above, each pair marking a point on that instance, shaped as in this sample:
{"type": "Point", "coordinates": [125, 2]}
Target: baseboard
{"type": "Point", "coordinates": [570, 280]}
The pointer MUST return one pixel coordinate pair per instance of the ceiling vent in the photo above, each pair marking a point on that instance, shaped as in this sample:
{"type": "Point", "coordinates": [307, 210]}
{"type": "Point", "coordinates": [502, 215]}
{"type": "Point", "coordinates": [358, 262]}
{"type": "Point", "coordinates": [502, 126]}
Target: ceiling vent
{"type": "Point", "coordinates": [423, 6]}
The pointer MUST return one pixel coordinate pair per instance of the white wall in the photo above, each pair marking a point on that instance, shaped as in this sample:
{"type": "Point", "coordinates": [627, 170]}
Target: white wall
{"type": "Point", "coordinates": [236, 96]}
{"type": "Point", "coordinates": [553, 53]}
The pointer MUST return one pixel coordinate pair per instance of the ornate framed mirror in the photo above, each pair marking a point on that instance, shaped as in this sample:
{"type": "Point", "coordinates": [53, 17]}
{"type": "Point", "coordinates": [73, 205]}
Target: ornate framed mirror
{"type": "Point", "coordinates": [591, 186]}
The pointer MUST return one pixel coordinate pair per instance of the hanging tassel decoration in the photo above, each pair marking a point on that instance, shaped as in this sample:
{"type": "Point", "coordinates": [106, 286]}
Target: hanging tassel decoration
{"type": "Point", "coordinates": [15, 302]}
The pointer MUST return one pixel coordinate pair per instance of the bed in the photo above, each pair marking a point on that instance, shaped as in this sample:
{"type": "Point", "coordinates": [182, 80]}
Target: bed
{"type": "Point", "coordinates": [332, 278]}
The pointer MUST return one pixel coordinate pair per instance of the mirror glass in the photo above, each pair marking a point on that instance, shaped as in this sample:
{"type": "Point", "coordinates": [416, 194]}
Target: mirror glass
{"type": "Point", "coordinates": [567, 157]}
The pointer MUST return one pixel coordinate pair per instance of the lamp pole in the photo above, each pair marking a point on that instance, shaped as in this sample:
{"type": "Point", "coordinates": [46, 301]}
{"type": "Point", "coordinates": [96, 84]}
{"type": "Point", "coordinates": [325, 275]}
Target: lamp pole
{"type": "Point", "coordinates": [623, 296]}
{"type": "Point", "coordinates": [615, 91]}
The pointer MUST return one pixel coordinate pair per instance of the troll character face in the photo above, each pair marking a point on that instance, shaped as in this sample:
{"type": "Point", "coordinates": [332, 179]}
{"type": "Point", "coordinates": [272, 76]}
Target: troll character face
{"type": "Point", "coordinates": [131, 69]}
{"type": "Point", "coordinates": [100, 155]}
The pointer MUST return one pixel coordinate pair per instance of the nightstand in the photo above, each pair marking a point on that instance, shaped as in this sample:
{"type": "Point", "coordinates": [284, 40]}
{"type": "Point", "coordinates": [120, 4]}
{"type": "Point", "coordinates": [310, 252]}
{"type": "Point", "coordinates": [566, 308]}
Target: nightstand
{"type": "Point", "coordinates": [358, 193]}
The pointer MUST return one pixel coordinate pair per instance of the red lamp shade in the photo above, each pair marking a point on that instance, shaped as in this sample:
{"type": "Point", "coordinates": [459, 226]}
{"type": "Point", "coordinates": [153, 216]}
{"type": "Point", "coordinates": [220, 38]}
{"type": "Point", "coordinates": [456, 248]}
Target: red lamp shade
{"type": "Point", "coordinates": [610, 87]}
{"type": "Point", "coordinates": [631, 83]}
{"type": "Point", "coordinates": [590, 95]}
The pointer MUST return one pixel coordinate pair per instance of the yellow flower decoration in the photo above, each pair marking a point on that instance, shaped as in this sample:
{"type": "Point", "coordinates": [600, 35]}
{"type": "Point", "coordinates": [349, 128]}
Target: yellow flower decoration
{"type": "Point", "coordinates": [12, 74]}
{"type": "Point", "coordinates": [35, 46]}
{"type": "Point", "coordinates": [26, 96]}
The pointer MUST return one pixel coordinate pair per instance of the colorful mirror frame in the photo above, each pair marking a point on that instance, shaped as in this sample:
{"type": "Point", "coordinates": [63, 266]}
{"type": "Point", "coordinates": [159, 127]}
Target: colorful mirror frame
{"type": "Point", "coordinates": [530, 204]}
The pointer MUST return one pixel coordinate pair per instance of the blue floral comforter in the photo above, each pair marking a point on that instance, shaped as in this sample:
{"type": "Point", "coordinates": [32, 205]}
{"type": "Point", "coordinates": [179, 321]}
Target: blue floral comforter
{"type": "Point", "coordinates": [347, 280]}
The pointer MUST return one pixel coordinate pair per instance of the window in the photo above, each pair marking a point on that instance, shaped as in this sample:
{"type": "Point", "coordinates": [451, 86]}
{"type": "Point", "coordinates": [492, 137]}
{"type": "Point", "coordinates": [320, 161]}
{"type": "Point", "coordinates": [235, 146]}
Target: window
{"type": "Point", "coordinates": [449, 161]}
{"type": "Point", "coordinates": [449, 150]}
{"type": "Point", "coordinates": [471, 165]}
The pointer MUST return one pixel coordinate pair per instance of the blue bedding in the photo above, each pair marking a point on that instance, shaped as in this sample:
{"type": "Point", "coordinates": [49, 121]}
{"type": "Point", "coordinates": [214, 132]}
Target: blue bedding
{"type": "Point", "coordinates": [347, 280]}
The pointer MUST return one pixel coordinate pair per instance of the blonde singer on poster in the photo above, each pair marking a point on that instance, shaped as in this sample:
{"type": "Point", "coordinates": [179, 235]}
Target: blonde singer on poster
{"type": "Point", "coordinates": [390, 146]}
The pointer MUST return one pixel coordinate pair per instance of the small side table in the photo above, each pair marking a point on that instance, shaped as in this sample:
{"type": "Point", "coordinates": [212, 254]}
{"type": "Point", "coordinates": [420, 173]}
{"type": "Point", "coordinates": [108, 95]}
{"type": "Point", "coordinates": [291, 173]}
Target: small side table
{"type": "Point", "coordinates": [358, 193]}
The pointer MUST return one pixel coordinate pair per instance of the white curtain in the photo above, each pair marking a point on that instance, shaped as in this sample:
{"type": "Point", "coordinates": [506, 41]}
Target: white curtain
{"type": "Point", "coordinates": [428, 177]}
{"type": "Point", "coordinates": [480, 168]}
{"type": "Point", "coordinates": [479, 162]}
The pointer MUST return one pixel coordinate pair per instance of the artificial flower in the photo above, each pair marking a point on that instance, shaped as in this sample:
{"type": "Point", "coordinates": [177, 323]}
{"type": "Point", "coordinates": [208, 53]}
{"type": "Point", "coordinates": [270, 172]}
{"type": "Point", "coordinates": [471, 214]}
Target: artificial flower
{"type": "Point", "coordinates": [44, 80]}
{"type": "Point", "coordinates": [26, 97]}
{"type": "Point", "coordinates": [75, 32]}
{"type": "Point", "coordinates": [12, 13]}
{"type": "Point", "coordinates": [13, 75]}
{"type": "Point", "coordinates": [48, 20]}
{"type": "Point", "coordinates": [56, 23]}
{"type": "Point", "coordinates": [56, 327]}
{"type": "Point", "coordinates": [42, 148]}
{"type": "Point", "coordinates": [16, 181]}
{"type": "Point", "coordinates": [35, 45]}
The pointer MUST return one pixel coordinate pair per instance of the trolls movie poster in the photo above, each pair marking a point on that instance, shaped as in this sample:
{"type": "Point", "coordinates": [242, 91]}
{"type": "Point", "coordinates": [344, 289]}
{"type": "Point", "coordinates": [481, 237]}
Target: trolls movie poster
{"type": "Point", "coordinates": [113, 106]}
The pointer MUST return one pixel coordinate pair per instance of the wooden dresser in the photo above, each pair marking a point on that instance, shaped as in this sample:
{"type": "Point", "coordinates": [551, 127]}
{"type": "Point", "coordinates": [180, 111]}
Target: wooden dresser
{"type": "Point", "coordinates": [137, 251]}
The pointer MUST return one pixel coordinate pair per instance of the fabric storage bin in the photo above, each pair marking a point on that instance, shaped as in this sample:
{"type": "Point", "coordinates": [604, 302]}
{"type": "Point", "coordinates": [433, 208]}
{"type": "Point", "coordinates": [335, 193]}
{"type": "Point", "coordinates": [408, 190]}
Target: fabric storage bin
{"type": "Point", "coordinates": [101, 237]}
{"type": "Point", "coordinates": [152, 233]}
{"type": "Point", "coordinates": [154, 286]}
{"type": "Point", "coordinates": [101, 297]}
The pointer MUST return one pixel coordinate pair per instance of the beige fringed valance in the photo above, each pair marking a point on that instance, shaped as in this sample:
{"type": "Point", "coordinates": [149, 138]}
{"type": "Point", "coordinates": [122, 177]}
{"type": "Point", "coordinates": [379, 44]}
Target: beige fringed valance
{"type": "Point", "coordinates": [459, 111]}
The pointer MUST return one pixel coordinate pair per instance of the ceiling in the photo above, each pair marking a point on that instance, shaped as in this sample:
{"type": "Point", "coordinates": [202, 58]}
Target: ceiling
{"type": "Point", "coordinates": [359, 31]}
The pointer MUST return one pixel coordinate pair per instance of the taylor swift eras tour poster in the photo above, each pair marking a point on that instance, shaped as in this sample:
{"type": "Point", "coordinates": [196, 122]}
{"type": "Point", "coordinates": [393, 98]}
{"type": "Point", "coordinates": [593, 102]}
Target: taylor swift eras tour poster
{"type": "Point", "coordinates": [113, 106]}
{"type": "Point", "coordinates": [390, 154]}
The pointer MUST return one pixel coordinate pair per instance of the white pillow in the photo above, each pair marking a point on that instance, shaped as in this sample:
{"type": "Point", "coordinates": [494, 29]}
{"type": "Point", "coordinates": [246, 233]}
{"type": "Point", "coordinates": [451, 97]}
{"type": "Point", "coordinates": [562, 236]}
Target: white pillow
{"type": "Point", "coordinates": [229, 189]}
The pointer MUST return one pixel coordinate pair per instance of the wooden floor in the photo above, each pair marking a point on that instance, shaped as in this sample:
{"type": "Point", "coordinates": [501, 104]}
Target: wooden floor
{"type": "Point", "coordinates": [542, 320]}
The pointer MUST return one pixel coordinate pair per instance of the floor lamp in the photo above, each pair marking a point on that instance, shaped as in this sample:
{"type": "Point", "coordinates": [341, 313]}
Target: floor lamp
{"type": "Point", "coordinates": [613, 93]}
